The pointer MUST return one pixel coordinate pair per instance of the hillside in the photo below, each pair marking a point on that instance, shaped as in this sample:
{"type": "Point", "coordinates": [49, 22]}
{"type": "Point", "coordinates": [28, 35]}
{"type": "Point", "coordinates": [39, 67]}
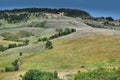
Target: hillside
{"type": "Point", "coordinates": [87, 46]}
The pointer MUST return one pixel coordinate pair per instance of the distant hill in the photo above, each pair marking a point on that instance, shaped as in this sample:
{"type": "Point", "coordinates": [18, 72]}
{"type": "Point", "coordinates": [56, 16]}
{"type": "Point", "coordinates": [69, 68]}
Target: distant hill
{"type": "Point", "coordinates": [68, 12]}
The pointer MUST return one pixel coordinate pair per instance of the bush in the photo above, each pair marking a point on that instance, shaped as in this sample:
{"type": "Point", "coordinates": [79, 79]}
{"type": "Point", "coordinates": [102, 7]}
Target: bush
{"type": "Point", "coordinates": [2, 48]}
{"type": "Point", "coordinates": [20, 53]}
{"type": "Point", "coordinates": [48, 45]}
{"type": "Point", "coordinates": [15, 66]}
{"type": "Point", "coordinates": [99, 74]}
{"type": "Point", "coordinates": [38, 75]}
{"type": "Point", "coordinates": [55, 74]}
{"type": "Point", "coordinates": [12, 46]}
{"type": "Point", "coordinates": [27, 41]}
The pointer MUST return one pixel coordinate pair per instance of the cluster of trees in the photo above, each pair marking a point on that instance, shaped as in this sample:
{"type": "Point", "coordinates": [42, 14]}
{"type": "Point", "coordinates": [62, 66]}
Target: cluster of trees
{"type": "Point", "coordinates": [15, 66]}
{"type": "Point", "coordinates": [99, 74]}
{"type": "Point", "coordinates": [2, 48]}
{"type": "Point", "coordinates": [14, 17]}
{"type": "Point", "coordinates": [18, 15]}
{"type": "Point", "coordinates": [62, 32]}
{"type": "Point", "coordinates": [106, 18]}
{"type": "Point", "coordinates": [40, 75]}
{"type": "Point", "coordinates": [42, 39]}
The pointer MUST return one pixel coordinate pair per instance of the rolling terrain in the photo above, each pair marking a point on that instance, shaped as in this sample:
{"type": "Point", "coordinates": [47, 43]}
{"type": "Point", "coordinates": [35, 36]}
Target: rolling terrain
{"type": "Point", "coordinates": [89, 47]}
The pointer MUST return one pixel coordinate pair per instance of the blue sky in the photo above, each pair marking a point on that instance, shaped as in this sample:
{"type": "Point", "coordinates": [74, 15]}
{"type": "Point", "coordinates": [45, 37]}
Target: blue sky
{"type": "Point", "coordinates": [94, 7]}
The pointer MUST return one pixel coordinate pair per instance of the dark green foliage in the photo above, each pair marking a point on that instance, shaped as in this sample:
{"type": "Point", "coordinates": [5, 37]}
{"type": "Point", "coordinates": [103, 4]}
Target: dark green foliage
{"type": "Point", "coordinates": [15, 66]}
{"type": "Point", "coordinates": [109, 18]}
{"type": "Point", "coordinates": [39, 39]}
{"type": "Point", "coordinates": [42, 39]}
{"type": "Point", "coordinates": [14, 18]}
{"type": "Point", "coordinates": [55, 74]}
{"type": "Point", "coordinates": [48, 45]}
{"type": "Point", "coordinates": [8, 69]}
{"type": "Point", "coordinates": [62, 32]}
{"type": "Point", "coordinates": [12, 46]}
{"type": "Point", "coordinates": [27, 41]}
{"type": "Point", "coordinates": [20, 53]}
{"type": "Point", "coordinates": [18, 15]}
{"type": "Point", "coordinates": [38, 75]}
{"type": "Point", "coordinates": [99, 74]}
{"type": "Point", "coordinates": [2, 48]}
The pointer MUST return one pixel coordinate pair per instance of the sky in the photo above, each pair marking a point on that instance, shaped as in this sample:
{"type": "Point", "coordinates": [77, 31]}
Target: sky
{"type": "Point", "coordinates": [96, 8]}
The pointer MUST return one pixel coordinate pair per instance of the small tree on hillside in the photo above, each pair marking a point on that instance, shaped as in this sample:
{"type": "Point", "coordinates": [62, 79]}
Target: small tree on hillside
{"type": "Point", "coordinates": [55, 74]}
{"type": "Point", "coordinates": [20, 53]}
{"type": "Point", "coordinates": [2, 48]}
{"type": "Point", "coordinates": [16, 65]}
{"type": "Point", "coordinates": [27, 41]}
{"type": "Point", "coordinates": [48, 45]}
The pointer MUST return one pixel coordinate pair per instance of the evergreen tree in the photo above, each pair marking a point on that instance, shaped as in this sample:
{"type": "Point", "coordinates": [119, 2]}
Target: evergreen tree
{"type": "Point", "coordinates": [48, 45]}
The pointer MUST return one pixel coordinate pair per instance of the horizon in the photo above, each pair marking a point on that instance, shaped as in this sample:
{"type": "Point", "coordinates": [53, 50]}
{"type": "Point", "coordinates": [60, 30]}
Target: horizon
{"type": "Point", "coordinates": [94, 8]}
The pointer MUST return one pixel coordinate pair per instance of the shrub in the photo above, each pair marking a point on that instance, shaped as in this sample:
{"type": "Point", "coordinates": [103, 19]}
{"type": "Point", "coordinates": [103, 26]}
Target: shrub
{"type": "Point", "coordinates": [20, 53]}
{"type": "Point", "coordinates": [55, 74]}
{"type": "Point", "coordinates": [99, 74]}
{"type": "Point", "coordinates": [27, 41]}
{"type": "Point", "coordinates": [12, 46]}
{"type": "Point", "coordinates": [15, 66]}
{"type": "Point", "coordinates": [48, 45]}
{"type": "Point", "coordinates": [2, 48]}
{"type": "Point", "coordinates": [38, 75]}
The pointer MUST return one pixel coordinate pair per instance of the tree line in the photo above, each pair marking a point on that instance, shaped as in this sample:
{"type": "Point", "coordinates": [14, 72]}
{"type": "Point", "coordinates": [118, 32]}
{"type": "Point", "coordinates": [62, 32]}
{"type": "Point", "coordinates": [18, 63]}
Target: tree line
{"type": "Point", "coordinates": [60, 32]}
{"type": "Point", "coordinates": [18, 15]}
{"type": "Point", "coordinates": [2, 48]}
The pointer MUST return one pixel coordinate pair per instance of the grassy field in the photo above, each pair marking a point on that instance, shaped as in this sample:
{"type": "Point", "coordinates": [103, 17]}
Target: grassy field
{"type": "Point", "coordinates": [89, 52]}
{"type": "Point", "coordinates": [87, 47]}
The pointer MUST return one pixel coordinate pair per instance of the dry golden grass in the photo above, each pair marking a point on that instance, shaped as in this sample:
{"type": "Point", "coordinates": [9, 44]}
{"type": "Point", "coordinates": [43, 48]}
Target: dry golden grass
{"type": "Point", "coordinates": [74, 53]}
{"type": "Point", "coordinates": [71, 54]}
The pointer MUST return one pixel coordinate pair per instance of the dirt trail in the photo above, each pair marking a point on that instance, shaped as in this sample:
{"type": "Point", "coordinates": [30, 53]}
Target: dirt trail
{"type": "Point", "coordinates": [64, 74]}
